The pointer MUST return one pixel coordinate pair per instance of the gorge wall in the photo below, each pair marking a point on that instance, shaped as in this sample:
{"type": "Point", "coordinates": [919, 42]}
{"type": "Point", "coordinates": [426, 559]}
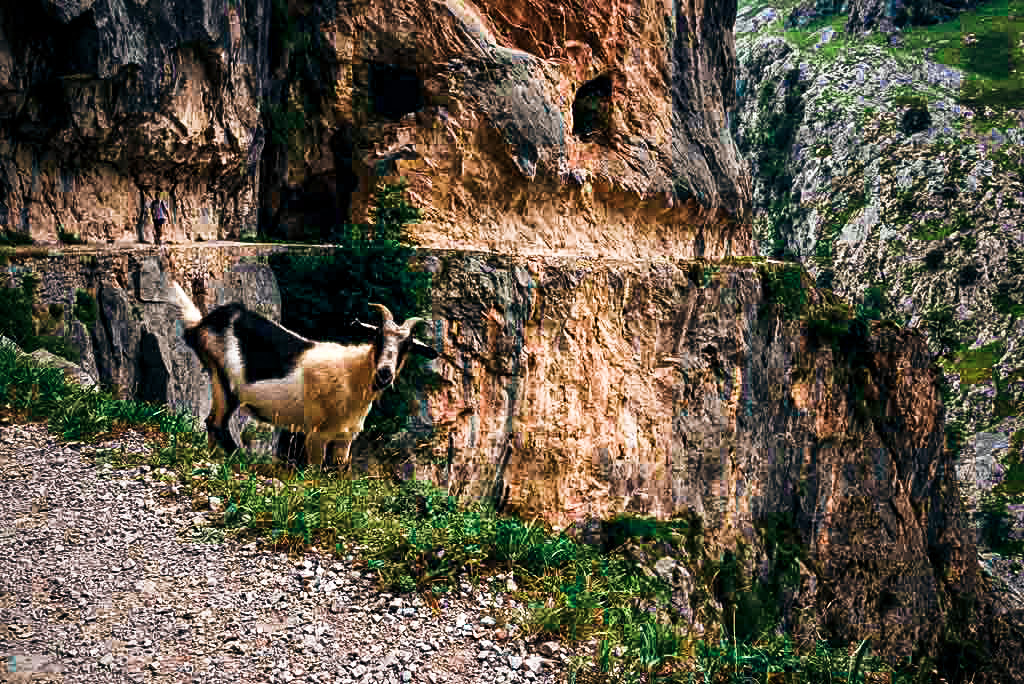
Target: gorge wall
{"type": "Point", "coordinates": [572, 389]}
{"type": "Point", "coordinates": [571, 159]}
{"type": "Point", "coordinates": [558, 127]}
{"type": "Point", "coordinates": [105, 105]}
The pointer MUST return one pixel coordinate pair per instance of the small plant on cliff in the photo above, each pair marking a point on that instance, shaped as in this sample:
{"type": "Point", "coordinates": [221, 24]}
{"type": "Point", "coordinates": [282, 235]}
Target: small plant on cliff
{"type": "Point", "coordinates": [784, 289]}
{"type": "Point", "coordinates": [69, 238]}
{"type": "Point", "coordinates": [18, 322]}
{"type": "Point", "coordinates": [321, 295]}
{"type": "Point", "coordinates": [10, 238]}
{"type": "Point", "coordinates": [86, 308]}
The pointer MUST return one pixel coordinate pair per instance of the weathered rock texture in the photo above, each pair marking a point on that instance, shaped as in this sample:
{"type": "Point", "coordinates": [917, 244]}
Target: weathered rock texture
{"type": "Point", "coordinates": [135, 343]}
{"type": "Point", "coordinates": [540, 127]}
{"type": "Point", "coordinates": [910, 195]}
{"type": "Point", "coordinates": [892, 15]}
{"type": "Point", "coordinates": [104, 104]}
{"type": "Point", "coordinates": [578, 390]}
{"type": "Point", "coordinates": [550, 127]}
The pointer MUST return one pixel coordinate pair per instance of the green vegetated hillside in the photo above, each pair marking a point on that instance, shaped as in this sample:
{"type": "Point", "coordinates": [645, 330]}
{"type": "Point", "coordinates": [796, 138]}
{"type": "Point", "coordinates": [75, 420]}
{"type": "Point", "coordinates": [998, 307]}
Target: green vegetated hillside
{"type": "Point", "coordinates": [891, 164]}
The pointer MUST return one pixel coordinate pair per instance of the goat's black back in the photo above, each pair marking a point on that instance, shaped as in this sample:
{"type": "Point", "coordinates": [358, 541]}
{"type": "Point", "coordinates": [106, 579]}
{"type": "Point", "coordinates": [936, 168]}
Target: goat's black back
{"type": "Point", "coordinates": [268, 350]}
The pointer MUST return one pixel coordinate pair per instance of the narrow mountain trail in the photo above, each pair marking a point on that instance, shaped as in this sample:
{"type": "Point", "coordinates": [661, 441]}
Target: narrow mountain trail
{"type": "Point", "coordinates": [106, 575]}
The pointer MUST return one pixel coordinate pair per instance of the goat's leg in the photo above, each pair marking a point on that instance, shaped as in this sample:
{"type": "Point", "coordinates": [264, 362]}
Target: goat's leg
{"type": "Point", "coordinates": [224, 405]}
{"type": "Point", "coordinates": [342, 453]}
{"type": "Point", "coordinates": [316, 449]}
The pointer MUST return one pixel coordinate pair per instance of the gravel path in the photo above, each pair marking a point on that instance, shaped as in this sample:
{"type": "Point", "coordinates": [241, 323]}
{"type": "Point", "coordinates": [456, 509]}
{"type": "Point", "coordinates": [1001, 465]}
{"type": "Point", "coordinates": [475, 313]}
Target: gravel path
{"type": "Point", "coordinates": [102, 579]}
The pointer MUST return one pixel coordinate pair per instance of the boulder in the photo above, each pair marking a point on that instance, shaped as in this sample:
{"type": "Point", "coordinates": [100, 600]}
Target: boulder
{"type": "Point", "coordinates": [71, 370]}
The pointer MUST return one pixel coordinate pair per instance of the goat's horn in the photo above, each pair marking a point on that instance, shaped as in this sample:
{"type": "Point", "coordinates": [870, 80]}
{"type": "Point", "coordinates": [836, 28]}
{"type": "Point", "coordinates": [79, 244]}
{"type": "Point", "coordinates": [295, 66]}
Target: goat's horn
{"type": "Point", "coordinates": [411, 323]}
{"type": "Point", "coordinates": [384, 313]}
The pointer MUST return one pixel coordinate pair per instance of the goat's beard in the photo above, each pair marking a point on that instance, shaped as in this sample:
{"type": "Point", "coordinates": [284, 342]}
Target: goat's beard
{"type": "Point", "coordinates": [378, 386]}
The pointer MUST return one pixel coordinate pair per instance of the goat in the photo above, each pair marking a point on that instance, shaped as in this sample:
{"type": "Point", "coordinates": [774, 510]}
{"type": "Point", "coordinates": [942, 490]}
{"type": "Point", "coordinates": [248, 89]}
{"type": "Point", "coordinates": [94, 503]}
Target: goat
{"type": "Point", "coordinates": [323, 389]}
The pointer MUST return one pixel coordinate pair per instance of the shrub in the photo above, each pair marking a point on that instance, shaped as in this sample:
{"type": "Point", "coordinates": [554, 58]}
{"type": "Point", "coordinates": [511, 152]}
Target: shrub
{"type": "Point", "coordinates": [12, 238]}
{"type": "Point", "coordinates": [321, 295]}
{"type": "Point", "coordinates": [784, 288]}
{"type": "Point", "coordinates": [86, 309]}
{"type": "Point", "coordinates": [69, 238]}
{"type": "Point", "coordinates": [18, 324]}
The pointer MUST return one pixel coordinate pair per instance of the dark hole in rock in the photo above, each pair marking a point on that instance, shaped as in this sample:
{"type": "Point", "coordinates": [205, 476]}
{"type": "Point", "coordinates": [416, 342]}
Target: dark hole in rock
{"type": "Point", "coordinates": [153, 374]}
{"type": "Point", "coordinates": [934, 258]}
{"type": "Point", "coordinates": [591, 110]}
{"type": "Point", "coordinates": [968, 275]}
{"type": "Point", "coordinates": [915, 120]}
{"type": "Point", "coordinates": [394, 91]}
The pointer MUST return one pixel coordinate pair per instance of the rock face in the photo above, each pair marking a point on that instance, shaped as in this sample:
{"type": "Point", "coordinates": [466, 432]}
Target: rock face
{"type": "Point", "coordinates": [915, 196]}
{"type": "Point", "coordinates": [891, 15]}
{"type": "Point", "coordinates": [134, 343]}
{"type": "Point", "coordinates": [106, 105]}
{"type": "Point", "coordinates": [553, 127]}
{"type": "Point", "coordinates": [896, 182]}
{"type": "Point", "coordinates": [578, 390]}
{"type": "Point", "coordinates": [560, 127]}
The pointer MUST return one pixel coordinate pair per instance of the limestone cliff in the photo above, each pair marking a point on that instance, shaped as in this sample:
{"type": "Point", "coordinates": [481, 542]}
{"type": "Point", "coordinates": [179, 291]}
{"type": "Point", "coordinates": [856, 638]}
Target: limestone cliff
{"type": "Point", "coordinates": [552, 126]}
{"type": "Point", "coordinates": [540, 127]}
{"type": "Point", "coordinates": [578, 389]}
{"type": "Point", "coordinates": [894, 176]}
{"type": "Point", "coordinates": [105, 105]}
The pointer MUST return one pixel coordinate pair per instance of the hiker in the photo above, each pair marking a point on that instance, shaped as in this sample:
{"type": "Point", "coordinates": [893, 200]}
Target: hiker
{"type": "Point", "coordinates": [159, 209]}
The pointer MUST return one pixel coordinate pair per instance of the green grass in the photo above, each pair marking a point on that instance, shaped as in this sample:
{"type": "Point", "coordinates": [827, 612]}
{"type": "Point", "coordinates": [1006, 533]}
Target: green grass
{"type": "Point", "coordinates": [807, 37]}
{"type": "Point", "coordinates": [975, 365]}
{"type": "Point", "coordinates": [935, 229]}
{"type": "Point", "coordinates": [993, 59]}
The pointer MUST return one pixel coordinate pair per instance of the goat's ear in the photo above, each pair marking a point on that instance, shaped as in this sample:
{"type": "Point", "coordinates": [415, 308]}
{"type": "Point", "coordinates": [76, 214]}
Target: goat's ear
{"type": "Point", "coordinates": [417, 347]}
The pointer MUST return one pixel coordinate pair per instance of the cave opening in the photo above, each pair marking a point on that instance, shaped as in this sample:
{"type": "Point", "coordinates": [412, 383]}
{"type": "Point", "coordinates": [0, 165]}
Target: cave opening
{"type": "Point", "coordinates": [394, 91]}
{"type": "Point", "coordinates": [346, 181]}
{"type": "Point", "coordinates": [591, 109]}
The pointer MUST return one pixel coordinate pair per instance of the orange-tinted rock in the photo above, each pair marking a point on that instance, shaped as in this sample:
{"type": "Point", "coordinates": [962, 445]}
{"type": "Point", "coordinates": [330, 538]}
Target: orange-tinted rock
{"type": "Point", "coordinates": [578, 390]}
{"type": "Point", "coordinates": [548, 127]}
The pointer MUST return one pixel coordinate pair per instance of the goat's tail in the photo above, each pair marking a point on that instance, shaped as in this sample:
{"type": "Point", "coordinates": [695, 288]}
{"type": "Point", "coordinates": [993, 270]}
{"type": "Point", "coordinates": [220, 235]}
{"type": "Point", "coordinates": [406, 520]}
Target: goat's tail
{"type": "Point", "coordinates": [189, 313]}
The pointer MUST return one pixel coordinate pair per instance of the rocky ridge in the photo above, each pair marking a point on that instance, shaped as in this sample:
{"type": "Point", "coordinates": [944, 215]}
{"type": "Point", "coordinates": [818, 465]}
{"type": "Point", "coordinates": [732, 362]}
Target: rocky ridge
{"type": "Point", "coordinates": [887, 176]}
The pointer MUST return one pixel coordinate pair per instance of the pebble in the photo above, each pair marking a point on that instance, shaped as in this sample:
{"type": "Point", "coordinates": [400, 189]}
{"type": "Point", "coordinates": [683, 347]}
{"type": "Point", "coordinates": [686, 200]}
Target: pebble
{"type": "Point", "coordinates": [144, 598]}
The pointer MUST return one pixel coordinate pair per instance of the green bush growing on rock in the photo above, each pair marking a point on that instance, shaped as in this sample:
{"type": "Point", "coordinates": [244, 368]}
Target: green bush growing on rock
{"type": "Point", "coordinates": [69, 238]}
{"type": "Point", "coordinates": [322, 294]}
{"type": "Point", "coordinates": [993, 516]}
{"type": "Point", "coordinates": [11, 238]}
{"type": "Point", "coordinates": [1008, 299]}
{"type": "Point", "coordinates": [975, 365]}
{"type": "Point", "coordinates": [86, 308]}
{"type": "Point", "coordinates": [784, 288]}
{"type": "Point", "coordinates": [18, 322]}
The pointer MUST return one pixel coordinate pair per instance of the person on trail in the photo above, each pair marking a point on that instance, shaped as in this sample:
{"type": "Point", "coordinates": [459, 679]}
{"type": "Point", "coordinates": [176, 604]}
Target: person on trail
{"type": "Point", "coordinates": [159, 209]}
